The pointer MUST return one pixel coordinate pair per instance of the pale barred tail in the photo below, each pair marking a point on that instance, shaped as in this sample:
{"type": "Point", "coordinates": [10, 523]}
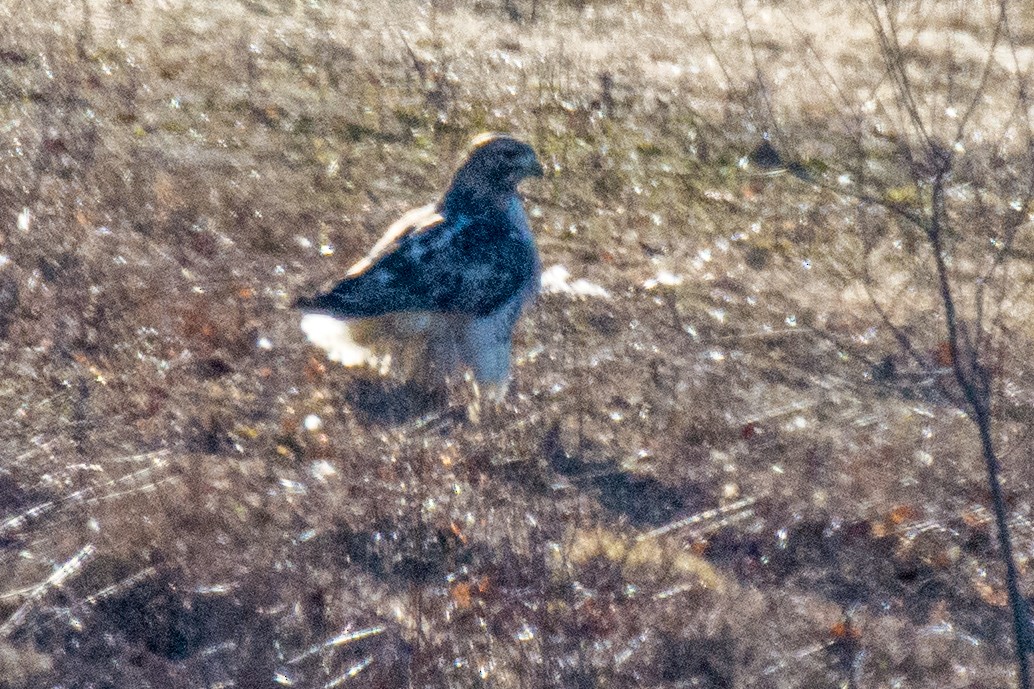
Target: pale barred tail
{"type": "Point", "coordinates": [417, 347]}
{"type": "Point", "coordinates": [335, 337]}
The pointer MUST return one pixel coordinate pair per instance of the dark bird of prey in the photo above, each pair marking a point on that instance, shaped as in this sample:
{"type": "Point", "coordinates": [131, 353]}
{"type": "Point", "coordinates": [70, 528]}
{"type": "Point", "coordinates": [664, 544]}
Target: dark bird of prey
{"type": "Point", "coordinates": [443, 288]}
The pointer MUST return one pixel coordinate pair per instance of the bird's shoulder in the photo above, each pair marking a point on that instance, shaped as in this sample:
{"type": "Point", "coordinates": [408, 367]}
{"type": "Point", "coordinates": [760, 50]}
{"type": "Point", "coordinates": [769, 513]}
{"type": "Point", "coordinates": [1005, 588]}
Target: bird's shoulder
{"type": "Point", "coordinates": [409, 226]}
{"type": "Point", "coordinates": [491, 263]}
{"type": "Point", "coordinates": [457, 261]}
{"type": "Point", "coordinates": [431, 238]}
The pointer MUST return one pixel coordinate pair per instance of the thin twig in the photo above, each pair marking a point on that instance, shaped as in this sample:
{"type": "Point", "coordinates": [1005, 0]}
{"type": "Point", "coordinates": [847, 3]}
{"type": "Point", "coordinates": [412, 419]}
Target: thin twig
{"type": "Point", "coordinates": [758, 74]}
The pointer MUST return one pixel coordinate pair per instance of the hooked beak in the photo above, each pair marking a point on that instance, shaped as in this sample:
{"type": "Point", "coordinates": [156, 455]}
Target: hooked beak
{"type": "Point", "coordinates": [533, 168]}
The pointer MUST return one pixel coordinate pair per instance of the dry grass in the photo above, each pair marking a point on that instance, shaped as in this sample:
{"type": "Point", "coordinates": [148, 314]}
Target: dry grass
{"type": "Point", "coordinates": [703, 482]}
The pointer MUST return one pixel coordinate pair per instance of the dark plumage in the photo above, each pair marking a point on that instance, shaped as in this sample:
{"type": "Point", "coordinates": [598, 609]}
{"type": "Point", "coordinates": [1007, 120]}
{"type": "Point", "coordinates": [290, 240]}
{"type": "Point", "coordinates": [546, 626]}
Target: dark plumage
{"type": "Point", "coordinates": [446, 283]}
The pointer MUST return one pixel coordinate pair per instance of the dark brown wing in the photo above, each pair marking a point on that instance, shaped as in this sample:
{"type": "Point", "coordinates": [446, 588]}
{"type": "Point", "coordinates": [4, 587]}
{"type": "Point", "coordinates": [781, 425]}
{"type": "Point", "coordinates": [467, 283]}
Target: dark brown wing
{"type": "Point", "coordinates": [470, 265]}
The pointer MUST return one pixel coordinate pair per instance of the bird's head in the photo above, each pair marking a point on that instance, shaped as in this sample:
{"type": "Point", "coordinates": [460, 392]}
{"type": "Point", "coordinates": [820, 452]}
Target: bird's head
{"type": "Point", "coordinates": [495, 165]}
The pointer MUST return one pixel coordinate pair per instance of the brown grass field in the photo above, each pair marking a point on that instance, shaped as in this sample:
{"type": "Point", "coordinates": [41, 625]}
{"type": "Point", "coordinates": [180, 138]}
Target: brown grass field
{"type": "Point", "coordinates": [718, 471]}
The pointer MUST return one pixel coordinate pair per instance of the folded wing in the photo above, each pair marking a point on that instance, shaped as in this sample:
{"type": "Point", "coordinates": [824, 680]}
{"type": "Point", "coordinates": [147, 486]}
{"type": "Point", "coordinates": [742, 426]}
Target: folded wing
{"type": "Point", "coordinates": [462, 265]}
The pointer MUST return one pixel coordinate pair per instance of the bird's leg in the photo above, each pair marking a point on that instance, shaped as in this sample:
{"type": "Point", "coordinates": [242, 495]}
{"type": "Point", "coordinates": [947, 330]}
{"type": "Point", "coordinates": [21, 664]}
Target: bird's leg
{"type": "Point", "coordinates": [473, 398]}
{"type": "Point", "coordinates": [474, 405]}
{"type": "Point", "coordinates": [463, 398]}
{"type": "Point", "coordinates": [486, 399]}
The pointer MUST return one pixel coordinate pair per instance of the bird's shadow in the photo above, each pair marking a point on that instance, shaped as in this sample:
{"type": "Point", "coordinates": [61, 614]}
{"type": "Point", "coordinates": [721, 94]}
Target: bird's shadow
{"type": "Point", "coordinates": [386, 402]}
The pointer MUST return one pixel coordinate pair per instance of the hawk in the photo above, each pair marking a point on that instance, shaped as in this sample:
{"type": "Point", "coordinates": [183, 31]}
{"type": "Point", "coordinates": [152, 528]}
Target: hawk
{"type": "Point", "coordinates": [443, 288]}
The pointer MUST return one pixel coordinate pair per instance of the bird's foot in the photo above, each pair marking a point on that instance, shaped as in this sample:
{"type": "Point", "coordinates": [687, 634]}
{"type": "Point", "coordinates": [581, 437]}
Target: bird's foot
{"type": "Point", "coordinates": [485, 400]}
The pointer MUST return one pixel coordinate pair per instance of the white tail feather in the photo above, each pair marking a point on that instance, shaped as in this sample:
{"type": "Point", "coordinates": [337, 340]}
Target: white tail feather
{"type": "Point", "coordinates": [334, 337]}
